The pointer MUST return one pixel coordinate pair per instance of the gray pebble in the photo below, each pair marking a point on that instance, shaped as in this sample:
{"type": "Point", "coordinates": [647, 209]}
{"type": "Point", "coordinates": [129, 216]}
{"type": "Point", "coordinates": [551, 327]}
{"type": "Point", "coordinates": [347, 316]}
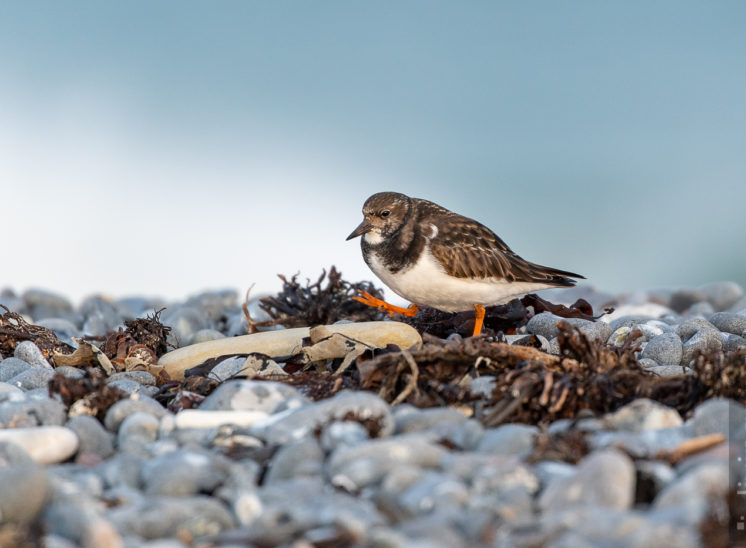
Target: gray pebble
{"type": "Point", "coordinates": [704, 340]}
{"type": "Point", "coordinates": [32, 378]}
{"type": "Point", "coordinates": [642, 414]}
{"type": "Point", "coordinates": [94, 438]}
{"type": "Point", "coordinates": [353, 468]}
{"type": "Point", "coordinates": [296, 459]}
{"type": "Point", "coordinates": [214, 304]}
{"type": "Point", "coordinates": [465, 436]}
{"type": "Point", "coordinates": [70, 372]}
{"type": "Point", "coordinates": [722, 295]}
{"type": "Point", "coordinates": [665, 349]}
{"type": "Point", "coordinates": [101, 316]}
{"type": "Point", "coordinates": [136, 431]}
{"type": "Point", "coordinates": [631, 321]}
{"type": "Point", "coordinates": [729, 322]}
{"type": "Point", "coordinates": [297, 423]}
{"type": "Point", "coordinates": [700, 309]}
{"type": "Point", "coordinates": [548, 471]}
{"type": "Point", "coordinates": [205, 335]}
{"type": "Point", "coordinates": [121, 409]}
{"type": "Point", "coordinates": [45, 304]}
{"type": "Point", "coordinates": [183, 473]}
{"type": "Point", "coordinates": [63, 329]}
{"type": "Point", "coordinates": [683, 299]}
{"type": "Point", "coordinates": [31, 354]}
{"type": "Point", "coordinates": [142, 377]}
{"type": "Point", "coordinates": [718, 416]}
{"type": "Point", "coordinates": [138, 307]}
{"type": "Point", "coordinates": [433, 492]}
{"type": "Point", "coordinates": [605, 479]}
{"type": "Point", "coordinates": [686, 329]}
{"type": "Point", "coordinates": [184, 321]}
{"type": "Point", "coordinates": [131, 387]}
{"type": "Point", "coordinates": [423, 419]}
{"type": "Point", "coordinates": [165, 517]}
{"type": "Point", "coordinates": [508, 439]}
{"type": "Point", "coordinates": [339, 434]}
{"type": "Point", "coordinates": [10, 393]}
{"type": "Point", "coordinates": [228, 369]}
{"type": "Point", "coordinates": [24, 491]}
{"type": "Point", "coordinates": [251, 395]}
{"type": "Point", "coordinates": [694, 489]}
{"type": "Point", "coordinates": [121, 470]}
{"type": "Point", "coordinates": [733, 343]}
{"type": "Point", "coordinates": [11, 367]}
{"type": "Point", "coordinates": [643, 443]}
{"type": "Point", "coordinates": [545, 324]}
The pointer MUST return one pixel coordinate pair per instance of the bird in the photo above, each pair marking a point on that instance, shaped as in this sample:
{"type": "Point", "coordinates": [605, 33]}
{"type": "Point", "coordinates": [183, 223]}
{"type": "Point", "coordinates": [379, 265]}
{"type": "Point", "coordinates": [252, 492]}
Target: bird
{"type": "Point", "coordinates": [434, 257]}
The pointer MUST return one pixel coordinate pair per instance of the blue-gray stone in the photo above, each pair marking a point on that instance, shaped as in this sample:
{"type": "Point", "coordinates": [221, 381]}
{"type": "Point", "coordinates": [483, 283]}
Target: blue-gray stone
{"type": "Point", "coordinates": [630, 321]}
{"type": "Point", "coordinates": [184, 472]}
{"type": "Point", "coordinates": [32, 378]}
{"type": "Point", "coordinates": [729, 322]}
{"type": "Point", "coordinates": [184, 322]}
{"type": "Point", "coordinates": [545, 324]}
{"type": "Point", "coordinates": [169, 517]}
{"type": "Point", "coordinates": [121, 409]}
{"type": "Point", "coordinates": [63, 329]}
{"type": "Point", "coordinates": [44, 304]}
{"type": "Point", "coordinates": [665, 349]}
{"type": "Point", "coordinates": [24, 491]}
{"type": "Point", "coordinates": [299, 458]}
{"type": "Point", "coordinates": [605, 479]}
{"type": "Point", "coordinates": [733, 343]}
{"type": "Point", "coordinates": [93, 437]}
{"type": "Point", "coordinates": [683, 299]}
{"type": "Point", "coordinates": [45, 412]}
{"type": "Point", "coordinates": [10, 367]}
{"type": "Point", "coordinates": [70, 372]}
{"type": "Point", "coordinates": [250, 395]}
{"type": "Point", "coordinates": [31, 354]}
{"type": "Point", "coordinates": [722, 295]}
{"type": "Point", "coordinates": [508, 439]}
{"type": "Point", "coordinates": [688, 328]}
{"type": "Point", "coordinates": [101, 316]}
{"type": "Point", "coordinates": [141, 377]}
{"type": "Point", "coordinates": [704, 340]}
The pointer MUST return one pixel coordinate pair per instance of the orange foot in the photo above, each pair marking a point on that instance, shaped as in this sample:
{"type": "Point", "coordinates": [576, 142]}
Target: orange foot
{"type": "Point", "coordinates": [370, 300]}
{"type": "Point", "coordinates": [479, 321]}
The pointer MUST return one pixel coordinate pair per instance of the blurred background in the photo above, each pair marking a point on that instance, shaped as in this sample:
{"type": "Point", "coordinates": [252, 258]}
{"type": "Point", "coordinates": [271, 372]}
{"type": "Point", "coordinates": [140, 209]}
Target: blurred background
{"type": "Point", "coordinates": [162, 148]}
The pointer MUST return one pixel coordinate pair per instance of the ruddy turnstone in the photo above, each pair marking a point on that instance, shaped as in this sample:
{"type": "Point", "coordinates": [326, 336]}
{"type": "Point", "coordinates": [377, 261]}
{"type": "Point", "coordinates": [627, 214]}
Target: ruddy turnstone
{"type": "Point", "coordinates": [431, 256]}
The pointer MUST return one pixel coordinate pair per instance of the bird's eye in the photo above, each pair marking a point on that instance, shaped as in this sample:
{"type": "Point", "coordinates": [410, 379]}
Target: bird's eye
{"type": "Point", "coordinates": [385, 213]}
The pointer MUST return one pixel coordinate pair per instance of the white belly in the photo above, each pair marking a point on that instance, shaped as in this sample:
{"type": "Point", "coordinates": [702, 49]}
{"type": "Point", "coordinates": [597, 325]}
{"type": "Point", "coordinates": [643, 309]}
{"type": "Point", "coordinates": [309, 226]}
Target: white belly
{"type": "Point", "coordinates": [427, 283]}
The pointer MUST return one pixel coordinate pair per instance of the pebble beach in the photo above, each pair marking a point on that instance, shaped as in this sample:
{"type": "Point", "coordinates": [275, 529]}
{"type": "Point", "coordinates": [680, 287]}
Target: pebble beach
{"type": "Point", "coordinates": [258, 462]}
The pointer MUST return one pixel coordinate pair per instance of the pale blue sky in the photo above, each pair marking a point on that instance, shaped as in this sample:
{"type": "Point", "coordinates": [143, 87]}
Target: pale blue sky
{"type": "Point", "coordinates": [167, 147]}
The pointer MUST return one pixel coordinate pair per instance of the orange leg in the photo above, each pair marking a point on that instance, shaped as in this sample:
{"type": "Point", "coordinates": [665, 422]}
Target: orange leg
{"type": "Point", "coordinates": [480, 319]}
{"type": "Point", "coordinates": [370, 300]}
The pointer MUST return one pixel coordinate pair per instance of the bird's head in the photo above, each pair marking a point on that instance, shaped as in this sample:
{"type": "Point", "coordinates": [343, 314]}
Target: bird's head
{"type": "Point", "coordinates": [383, 214]}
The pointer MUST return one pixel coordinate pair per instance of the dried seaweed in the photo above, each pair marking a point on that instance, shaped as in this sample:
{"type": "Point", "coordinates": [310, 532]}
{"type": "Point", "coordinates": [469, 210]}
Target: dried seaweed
{"type": "Point", "coordinates": [317, 303]}
{"type": "Point", "coordinates": [90, 395]}
{"type": "Point", "coordinates": [144, 339]}
{"type": "Point", "coordinates": [14, 329]}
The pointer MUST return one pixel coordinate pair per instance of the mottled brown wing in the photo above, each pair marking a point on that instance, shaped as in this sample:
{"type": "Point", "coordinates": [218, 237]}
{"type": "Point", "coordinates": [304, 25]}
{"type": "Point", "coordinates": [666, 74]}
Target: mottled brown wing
{"type": "Point", "coordinates": [468, 249]}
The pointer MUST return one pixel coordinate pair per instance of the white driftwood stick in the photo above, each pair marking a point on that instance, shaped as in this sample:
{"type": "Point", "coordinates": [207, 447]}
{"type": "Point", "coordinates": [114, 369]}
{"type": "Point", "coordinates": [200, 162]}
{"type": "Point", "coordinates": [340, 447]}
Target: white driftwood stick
{"type": "Point", "coordinates": [285, 342]}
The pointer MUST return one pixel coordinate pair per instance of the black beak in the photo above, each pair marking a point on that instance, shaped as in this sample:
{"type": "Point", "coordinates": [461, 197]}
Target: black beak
{"type": "Point", "coordinates": [361, 229]}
